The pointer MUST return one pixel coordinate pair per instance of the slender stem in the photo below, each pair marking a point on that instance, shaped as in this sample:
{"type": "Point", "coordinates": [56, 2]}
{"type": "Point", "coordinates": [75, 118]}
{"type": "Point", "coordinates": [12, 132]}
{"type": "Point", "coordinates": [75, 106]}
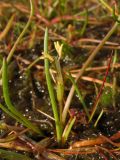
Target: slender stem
{"type": "Point", "coordinates": [59, 87]}
{"type": "Point", "coordinates": [11, 53]}
{"type": "Point", "coordinates": [67, 129]}
{"type": "Point", "coordinates": [85, 24]}
{"type": "Point", "coordinates": [100, 115]}
{"type": "Point", "coordinates": [85, 65]}
{"type": "Point", "coordinates": [7, 28]}
{"type": "Point", "coordinates": [51, 90]}
{"type": "Point", "coordinates": [100, 92]}
{"type": "Point", "coordinates": [22, 33]}
{"type": "Point", "coordinates": [106, 5]}
{"type": "Point", "coordinates": [114, 83]}
{"type": "Point", "coordinates": [34, 62]}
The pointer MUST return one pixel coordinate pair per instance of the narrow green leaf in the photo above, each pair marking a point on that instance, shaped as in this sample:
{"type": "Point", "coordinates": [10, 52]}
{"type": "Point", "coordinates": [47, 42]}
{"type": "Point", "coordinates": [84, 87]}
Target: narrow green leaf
{"type": "Point", "coordinates": [51, 89]}
{"type": "Point", "coordinates": [22, 33]}
{"type": "Point", "coordinates": [10, 113]}
{"type": "Point", "coordinates": [10, 106]}
{"type": "Point", "coordinates": [67, 129]}
{"type": "Point", "coordinates": [79, 95]}
{"type": "Point", "coordinates": [11, 155]}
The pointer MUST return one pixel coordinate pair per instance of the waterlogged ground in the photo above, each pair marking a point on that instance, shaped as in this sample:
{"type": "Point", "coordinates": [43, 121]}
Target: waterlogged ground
{"type": "Point", "coordinates": [80, 33]}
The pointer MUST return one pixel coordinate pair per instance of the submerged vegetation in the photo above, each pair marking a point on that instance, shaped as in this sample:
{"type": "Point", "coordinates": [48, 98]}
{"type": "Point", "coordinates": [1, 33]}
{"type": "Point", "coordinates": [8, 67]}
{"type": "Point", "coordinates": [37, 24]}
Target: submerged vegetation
{"type": "Point", "coordinates": [59, 80]}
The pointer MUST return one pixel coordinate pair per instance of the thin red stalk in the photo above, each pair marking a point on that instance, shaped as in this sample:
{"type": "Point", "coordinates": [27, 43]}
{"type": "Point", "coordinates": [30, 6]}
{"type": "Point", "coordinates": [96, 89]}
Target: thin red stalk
{"type": "Point", "coordinates": [72, 17]}
{"type": "Point", "coordinates": [101, 89]}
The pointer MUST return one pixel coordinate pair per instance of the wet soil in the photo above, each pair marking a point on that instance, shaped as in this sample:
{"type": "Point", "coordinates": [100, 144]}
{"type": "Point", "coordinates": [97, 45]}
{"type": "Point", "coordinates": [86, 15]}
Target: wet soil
{"type": "Point", "coordinates": [29, 94]}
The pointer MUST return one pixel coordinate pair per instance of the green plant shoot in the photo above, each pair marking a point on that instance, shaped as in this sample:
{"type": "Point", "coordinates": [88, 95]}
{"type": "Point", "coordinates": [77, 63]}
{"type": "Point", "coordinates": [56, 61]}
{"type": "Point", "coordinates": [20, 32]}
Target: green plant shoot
{"type": "Point", "coordinates": [11, 108]}
{"type": "Point", "coordinates": [51, 90]}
